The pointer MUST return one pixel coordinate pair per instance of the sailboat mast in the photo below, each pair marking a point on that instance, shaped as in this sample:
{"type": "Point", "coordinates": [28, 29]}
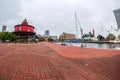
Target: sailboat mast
{"type": "Point", "coordinates": [76, 25]}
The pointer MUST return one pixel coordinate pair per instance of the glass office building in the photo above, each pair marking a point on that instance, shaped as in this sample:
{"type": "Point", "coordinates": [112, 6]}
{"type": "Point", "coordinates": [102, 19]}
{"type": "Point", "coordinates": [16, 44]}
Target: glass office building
{"type": "Point", "coordinates": [117, 16]}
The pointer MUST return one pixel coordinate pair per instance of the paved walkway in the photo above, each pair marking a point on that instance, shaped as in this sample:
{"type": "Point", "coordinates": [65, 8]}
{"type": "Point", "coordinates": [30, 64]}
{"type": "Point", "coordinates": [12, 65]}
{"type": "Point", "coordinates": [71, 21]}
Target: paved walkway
{"type": "Point", "coordinates": [54, 62]}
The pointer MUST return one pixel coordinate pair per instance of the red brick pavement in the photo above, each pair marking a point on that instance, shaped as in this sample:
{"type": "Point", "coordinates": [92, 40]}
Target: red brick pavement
{"type": "Point", "coordinates": [105, 63]}
{"type": "Point", "coordinates": [47, 61]}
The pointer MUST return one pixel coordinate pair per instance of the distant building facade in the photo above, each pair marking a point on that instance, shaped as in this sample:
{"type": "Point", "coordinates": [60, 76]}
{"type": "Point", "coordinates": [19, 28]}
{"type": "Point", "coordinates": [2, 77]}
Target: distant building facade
{"type": "Point", "coordinates": [47, 32]}
{"type": "Point", "coordinates": [117, 16]}
{"type": "Point", "coordinates": [46, 35]}
{"type": "Point", "coordinates": [67, 36]}
{"type": "Point", "coordinates": [88, 37]}
{"type": "Point", "coordinates": [4, 28]}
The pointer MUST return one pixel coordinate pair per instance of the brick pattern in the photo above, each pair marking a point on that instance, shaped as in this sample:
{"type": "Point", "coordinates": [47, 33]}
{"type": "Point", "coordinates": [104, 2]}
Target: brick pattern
{"type": "Point", "coordinates": [47, 61]}
{"type": "Point", "coordinates": [103, 63]}
{"type": "Point", "coordinates": [27, 66]}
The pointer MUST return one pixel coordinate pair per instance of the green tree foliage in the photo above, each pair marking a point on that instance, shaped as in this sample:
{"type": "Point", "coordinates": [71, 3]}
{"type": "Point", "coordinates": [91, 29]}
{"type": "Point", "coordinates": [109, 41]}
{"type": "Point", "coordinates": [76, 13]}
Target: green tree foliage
{"type": "Point", "coordinates": [110, 37]}
{"type": "Point", "coordinates": [100, 37]}
{"type": "Point", "coordinates": [41, 39]}
{"type": "Point", "coordinates": [119, 37]}
{"type": "Point", "coordinates": [4, 36]}
{"type": "Point", "coordinates": [50, 39]}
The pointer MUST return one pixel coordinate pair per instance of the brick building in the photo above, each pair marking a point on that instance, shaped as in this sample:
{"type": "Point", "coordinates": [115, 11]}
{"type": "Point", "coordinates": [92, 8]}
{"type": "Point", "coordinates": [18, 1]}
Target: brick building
{"type": "Point", "coordinates": [67, 36]}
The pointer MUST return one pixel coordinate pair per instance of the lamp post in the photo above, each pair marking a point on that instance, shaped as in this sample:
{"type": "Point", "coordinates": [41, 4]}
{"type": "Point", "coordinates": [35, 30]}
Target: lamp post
{"type": "Point", "coordinates": [62, 38]}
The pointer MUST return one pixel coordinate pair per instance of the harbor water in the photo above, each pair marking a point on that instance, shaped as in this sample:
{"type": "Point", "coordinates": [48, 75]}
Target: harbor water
{"type": "Point", "coordinates": [94, 45]}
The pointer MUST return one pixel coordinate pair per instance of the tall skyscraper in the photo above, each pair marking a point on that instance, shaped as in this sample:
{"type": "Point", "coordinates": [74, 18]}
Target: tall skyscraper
{"type": "Point", "coordinates": [47, 32]}
{"type": "Point", "coordinates": [117, 16]}
{"type": "Point", "coordinates": [3, 28]}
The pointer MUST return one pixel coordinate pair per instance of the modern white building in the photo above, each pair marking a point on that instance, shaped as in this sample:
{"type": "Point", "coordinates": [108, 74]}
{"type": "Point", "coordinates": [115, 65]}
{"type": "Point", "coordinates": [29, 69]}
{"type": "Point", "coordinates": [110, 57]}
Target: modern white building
{"type": "Point", "coordinates": [117, 16]}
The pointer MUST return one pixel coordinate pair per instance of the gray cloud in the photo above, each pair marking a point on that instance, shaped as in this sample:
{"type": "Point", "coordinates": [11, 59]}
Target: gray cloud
{"type": "Point", "coordinates": [58, 15]}
{"type": "Point", "coordinates": [9, 10]}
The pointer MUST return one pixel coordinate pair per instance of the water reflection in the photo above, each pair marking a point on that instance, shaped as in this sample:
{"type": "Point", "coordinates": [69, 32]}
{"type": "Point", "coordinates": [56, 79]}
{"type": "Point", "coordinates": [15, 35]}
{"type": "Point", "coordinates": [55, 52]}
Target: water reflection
{"type": "Point", "coordinates": [101, 45]}
{"type": "Point", "coordinates": [94, 45]}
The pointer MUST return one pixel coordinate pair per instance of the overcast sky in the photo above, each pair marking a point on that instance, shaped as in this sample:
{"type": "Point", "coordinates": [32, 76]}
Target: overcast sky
{"type": "Point", "coordinates": [58, 15]}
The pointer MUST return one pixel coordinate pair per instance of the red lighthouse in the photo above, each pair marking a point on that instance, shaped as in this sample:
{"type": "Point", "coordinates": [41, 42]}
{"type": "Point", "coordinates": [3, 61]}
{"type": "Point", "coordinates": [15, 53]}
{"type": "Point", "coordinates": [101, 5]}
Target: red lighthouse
{"type": "Point", "coordinates": [24, 31]}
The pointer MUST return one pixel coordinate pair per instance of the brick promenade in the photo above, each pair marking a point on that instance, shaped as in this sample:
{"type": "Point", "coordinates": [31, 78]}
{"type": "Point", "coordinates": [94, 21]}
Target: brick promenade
{"type": "Point", "coordinates": [47, 61]}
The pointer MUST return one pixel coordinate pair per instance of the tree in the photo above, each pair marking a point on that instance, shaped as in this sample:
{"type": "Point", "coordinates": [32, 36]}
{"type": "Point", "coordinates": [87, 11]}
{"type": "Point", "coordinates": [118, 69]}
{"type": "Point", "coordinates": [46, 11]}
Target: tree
{"type": "Point", "coordinates": [50, 39]}
{"type": "Point", "coordinates": [4, 36]}
{"type": "Point", "coordinates": [41, 39]}
{"type": "Point", "coordinates": [119, 37]}
{"type": "Point", "coordinates": [100, 37]}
